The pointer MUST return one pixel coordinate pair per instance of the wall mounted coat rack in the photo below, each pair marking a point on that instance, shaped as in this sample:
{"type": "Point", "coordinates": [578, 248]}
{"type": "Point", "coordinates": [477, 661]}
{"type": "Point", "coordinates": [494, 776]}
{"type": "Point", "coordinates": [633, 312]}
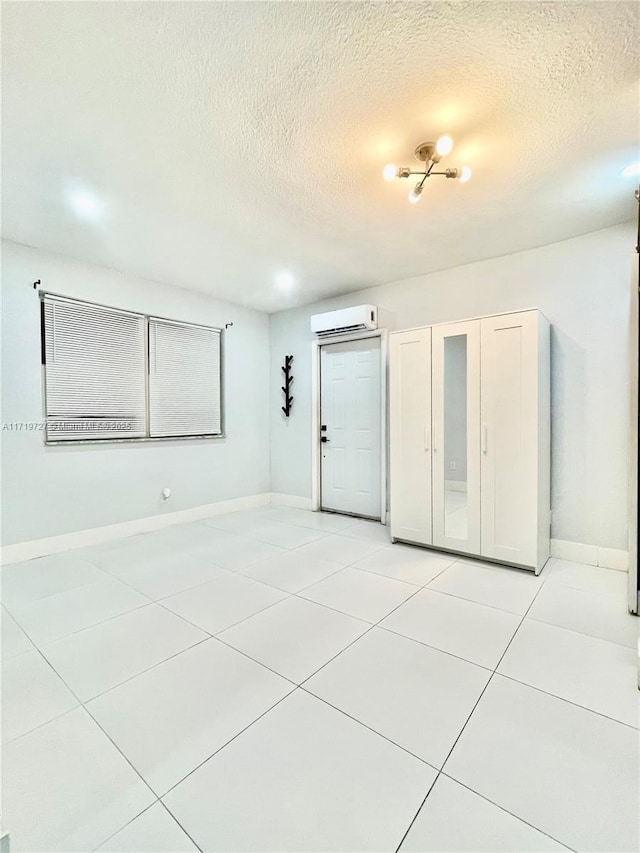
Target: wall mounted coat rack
{"type": "Point", "coordinates": [288, 379]}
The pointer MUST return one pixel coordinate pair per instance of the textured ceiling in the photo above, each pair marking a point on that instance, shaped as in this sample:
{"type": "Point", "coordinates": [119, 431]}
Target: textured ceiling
{"type": "Point", "coordinates": [229, 141]}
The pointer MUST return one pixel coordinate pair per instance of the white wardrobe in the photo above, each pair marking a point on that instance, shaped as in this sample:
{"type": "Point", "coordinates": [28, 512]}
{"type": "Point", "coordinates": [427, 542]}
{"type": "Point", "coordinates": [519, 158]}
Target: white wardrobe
{"type": "Point", "coordinates": [470, 437]}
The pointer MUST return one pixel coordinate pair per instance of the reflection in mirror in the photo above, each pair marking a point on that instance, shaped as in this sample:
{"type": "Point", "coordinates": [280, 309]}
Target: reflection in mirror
{"type": "Point", "coordinates": [455, 437]}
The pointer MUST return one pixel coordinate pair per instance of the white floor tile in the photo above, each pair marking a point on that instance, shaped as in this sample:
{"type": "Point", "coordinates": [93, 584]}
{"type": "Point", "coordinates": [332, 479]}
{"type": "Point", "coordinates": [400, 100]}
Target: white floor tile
{"type": "Point", "coordinates": [67, 788]}
{"type": "Point", "coordinates": [497, 586]}
{"type": "Point", "coordinates": [455, 820]}
{"type": "Point", "coordinates": [303, 778]}
{"type": "Point", "coordinates": [339, 549]}
{"type": "Point", "coordinates": [569, 772]}
{"type": "Point", "coordinates": [58, 615]}
{"type": "Point", "coordinates": [24, 583]}
{"type": "Point", "coordinates": [372, 531]}
{"type": "Point", "coordinates": [328, 522]}
{"type": "Point", "coordinates": [241, 521]}
{"type": "Point", "coordinates": [161, 576]}
{"type": "Point", "coordinates": [361, 594]}
{"type": "Point", "coordinates": [284, 535]}
{"type": "Point", "coordinates": [295, 637]}
{"type": "Point", "coordinates": [99, 658]}
{"type": "Point", "coordinates": [154, 831]}
{"type": "Point", "coordinates": [581, 576]}
{"type": "Point", "coordinates": [145, 549]}
{"type": "Point", "coordinates": [593, 673]}
{"type": "Point", "coordinates": [233, 552]}
{"type": "Point", "coordinates": [223, 602]}
{"type": "Point", "coordinates": [417, 697]}
{"type": "Point", "coordinates": [14, 640]}
{"type": "Point", "coordinates": [32, 694]}
{"type": "Point", "coordinates": [171, 718]}
{"type": "Point", "coordinates": [194, 535]}
{"type": "Point", "coordinates": [472, 631]}
{"type": "Point", "coordinates": [586, 611]}
{"type": "Point", "coordinates": [406, 563]}
{"type": "Point", "coordinates": [290, 571]}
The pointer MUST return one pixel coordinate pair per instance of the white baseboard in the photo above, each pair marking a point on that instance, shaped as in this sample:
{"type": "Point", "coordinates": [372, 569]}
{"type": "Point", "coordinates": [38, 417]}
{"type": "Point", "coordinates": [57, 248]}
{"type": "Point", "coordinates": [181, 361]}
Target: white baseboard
{"type": "Point", "coordinates": [291, 500]}
{"type": "Point", "coordinates": [22, 551]}
{"type": "Point", "coordinates": [592, 555]}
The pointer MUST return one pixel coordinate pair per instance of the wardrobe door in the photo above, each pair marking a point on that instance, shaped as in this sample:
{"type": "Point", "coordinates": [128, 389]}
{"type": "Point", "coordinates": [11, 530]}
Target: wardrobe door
{"type": "Point", "coordinates": [515, 433]}
{"type": "Point", "coordinates": [456, 436]}
{"type": "Point", "coordinates": [410, 435]}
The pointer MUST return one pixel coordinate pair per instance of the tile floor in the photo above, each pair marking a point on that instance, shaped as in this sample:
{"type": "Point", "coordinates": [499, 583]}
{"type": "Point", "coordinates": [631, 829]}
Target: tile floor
{"type": "Point", "coordinates": [279, 680]}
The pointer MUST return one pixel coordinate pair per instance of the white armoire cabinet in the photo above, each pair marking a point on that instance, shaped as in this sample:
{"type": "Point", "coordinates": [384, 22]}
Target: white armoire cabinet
{"type": "Point", "coordinates": [469, 434]}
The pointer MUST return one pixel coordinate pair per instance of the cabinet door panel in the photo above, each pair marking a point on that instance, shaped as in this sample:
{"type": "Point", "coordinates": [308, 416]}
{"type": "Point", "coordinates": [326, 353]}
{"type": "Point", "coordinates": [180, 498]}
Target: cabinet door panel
{"type": "Point", "coordinates": [509, 459]}
{"type": "Point", "coordinates": [456, 436]}
{"type": "Point", "coordinates": [410, 434]}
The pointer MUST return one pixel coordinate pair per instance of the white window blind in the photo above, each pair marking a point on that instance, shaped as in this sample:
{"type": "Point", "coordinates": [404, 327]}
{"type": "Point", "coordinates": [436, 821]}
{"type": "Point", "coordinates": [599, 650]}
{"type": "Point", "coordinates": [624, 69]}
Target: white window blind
{"type": "Point", "coordinates": [184, 379]}
{"type": "Point", "coordinates": [94, 371]}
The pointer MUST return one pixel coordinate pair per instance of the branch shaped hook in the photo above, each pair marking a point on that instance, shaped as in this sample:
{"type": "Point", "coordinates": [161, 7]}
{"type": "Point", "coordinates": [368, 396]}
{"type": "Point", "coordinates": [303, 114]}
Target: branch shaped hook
{"type": "Point", "coordinates": [288, 379]}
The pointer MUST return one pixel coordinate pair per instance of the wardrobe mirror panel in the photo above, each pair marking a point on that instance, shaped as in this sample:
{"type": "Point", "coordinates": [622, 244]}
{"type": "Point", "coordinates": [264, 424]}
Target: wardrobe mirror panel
{"type": "Point", "coordinates": [455, 437]}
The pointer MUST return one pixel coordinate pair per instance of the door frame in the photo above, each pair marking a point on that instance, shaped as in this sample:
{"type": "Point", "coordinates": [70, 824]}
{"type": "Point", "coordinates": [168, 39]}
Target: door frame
{"type": "Point", "coordinates": [316, 347]}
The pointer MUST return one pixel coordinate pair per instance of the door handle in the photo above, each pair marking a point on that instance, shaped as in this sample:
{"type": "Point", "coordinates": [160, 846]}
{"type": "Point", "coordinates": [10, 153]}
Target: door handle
{"type": "Point", "coordinates": [324, 439]}
{"type": "Point", "coordinates": [484, 438]}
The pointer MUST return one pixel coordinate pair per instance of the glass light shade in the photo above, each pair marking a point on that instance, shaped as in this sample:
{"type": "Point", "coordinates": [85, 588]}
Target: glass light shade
{"type": "Point", "coordinates": [390, 172]}
{"type": "Point", "coordinates": [444, 145]}
{"type": "Point", "coordinates": [465, 174]}
{"type": "Point", "coordinates": [415, 195]}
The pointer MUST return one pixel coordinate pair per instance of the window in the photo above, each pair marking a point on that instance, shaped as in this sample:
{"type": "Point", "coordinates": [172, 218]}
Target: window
{"type": "Point", "coordinates": [112, 374]}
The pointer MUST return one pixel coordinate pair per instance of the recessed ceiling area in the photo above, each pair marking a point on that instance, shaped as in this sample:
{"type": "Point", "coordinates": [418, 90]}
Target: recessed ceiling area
{"type": "Point", "coordinates": [237, 148]}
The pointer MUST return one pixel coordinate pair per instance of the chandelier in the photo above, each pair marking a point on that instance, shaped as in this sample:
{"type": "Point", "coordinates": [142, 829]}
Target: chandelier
{"type": "Point", "coordinates": [429, 153]}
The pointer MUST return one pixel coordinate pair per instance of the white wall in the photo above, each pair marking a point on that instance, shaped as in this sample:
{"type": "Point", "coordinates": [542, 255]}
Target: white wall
{"type": "Point", "coordinates": [53, 490]}
{"type": "Point", "coordinates": [582, 285]}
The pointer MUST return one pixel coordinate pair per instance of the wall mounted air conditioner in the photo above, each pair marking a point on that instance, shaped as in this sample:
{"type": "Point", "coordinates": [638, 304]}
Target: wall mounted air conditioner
{"type": "Point", "coordinates": [359, 318]}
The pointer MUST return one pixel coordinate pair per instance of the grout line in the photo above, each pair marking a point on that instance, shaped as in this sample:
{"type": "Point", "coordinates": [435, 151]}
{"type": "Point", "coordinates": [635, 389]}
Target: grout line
{"type": "Point", "coordinates": [53, 641]}
{"type": "Point", "coordinates": [125, 825]}
{"type": "Point", "coordinates": [478, 603]}
{"type": "Point", "coordinates": [502, 808]}
{"type": "Point", "coordinates": [415, 817]}
{"type": "Point", "coordinates": [99, 726]}
{"type": "Point", "coordinates": [435, 648]}
{"type": "Point", "coordinates": [142, 672]}
{"type": "Point", "coordinates": [373, 731]}
{"type": "Point", "coordinates": [568, 701]}
{"type": "Point", "coordinates": [255, 660]}
{"type": "Point", "coordinates": [583, 633]}
{"type": "Point", "coordinates": [371, 626]}
{"type": "Point", "coordinates": [171, 814]}
{"type": "Point", "coordinates": [477, 702]}
{"type": "Point", "coordinates": [224, 745]}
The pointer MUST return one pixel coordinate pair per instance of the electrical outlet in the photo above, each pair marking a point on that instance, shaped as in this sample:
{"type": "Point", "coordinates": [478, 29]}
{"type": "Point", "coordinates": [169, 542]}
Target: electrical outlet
{"type": "Point", "coordinates": [452, 465]}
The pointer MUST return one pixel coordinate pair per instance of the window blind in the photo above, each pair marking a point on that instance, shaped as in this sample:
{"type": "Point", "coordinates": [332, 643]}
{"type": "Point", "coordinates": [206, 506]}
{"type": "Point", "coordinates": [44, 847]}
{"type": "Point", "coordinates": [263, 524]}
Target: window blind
{"type": "Point", "coordinates": [94, 371]}
{"type": "Point", "coordinates": [184, 379]}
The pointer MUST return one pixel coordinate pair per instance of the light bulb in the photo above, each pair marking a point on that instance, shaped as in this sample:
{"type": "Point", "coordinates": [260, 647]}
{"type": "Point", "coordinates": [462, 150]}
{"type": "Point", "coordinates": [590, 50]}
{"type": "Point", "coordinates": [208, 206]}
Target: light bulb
{"type": "Point", "coordinates": [390, 172]}
{"type": "Point", "coordinates": [444, 145]}
{"type": "Point", "coordinates": [465, 174]}
{"type": "Point", "coordinates": [631, 171]}
{"type": "Point", "coordinates": [416, 194]}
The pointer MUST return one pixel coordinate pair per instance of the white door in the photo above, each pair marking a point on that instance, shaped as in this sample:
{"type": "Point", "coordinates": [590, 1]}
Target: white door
{"type": "Point", "coordinates": [456, 436]}
{"type": "Point", "coordinates": [410, 435]}
{"type": "Point", "coordinates": [509, 457]}
{"type": "Point", "coordinates": [350, 418]}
